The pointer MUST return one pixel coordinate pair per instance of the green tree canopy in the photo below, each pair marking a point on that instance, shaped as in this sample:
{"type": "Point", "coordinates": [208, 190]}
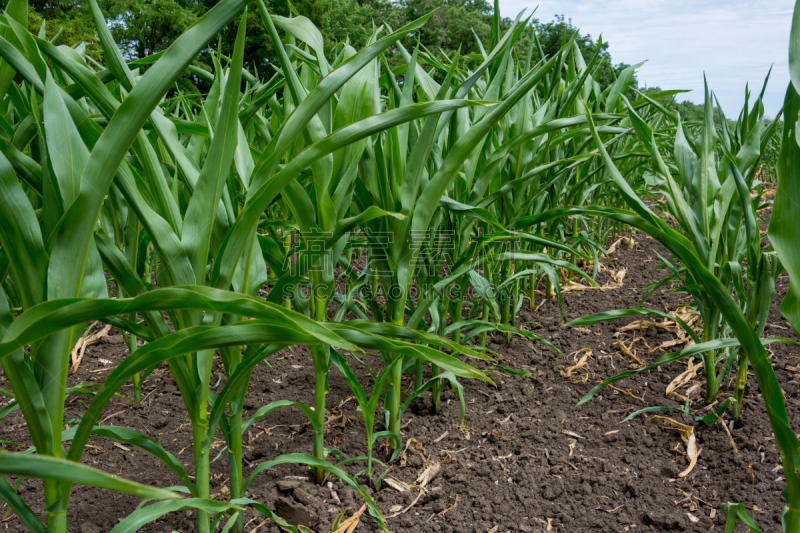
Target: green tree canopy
{"type": "Point", "coordinates": [552, 34]}
{"type": "Point", "coordinates": [145, 27]}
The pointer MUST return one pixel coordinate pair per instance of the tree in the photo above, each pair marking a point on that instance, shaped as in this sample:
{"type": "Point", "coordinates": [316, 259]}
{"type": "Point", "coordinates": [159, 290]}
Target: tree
{"type": "Point", "coordinates": [354, 21]}
{"type": "Point", "coordinates": [552, 34]}
{"type": "Point", "coordinates": [145, 27]}
{"type": "Point", "coordinates": [690, 112]}
{"type": "Point", "coordinates": [69, 19]}
{"type": "Point", "coordinates": [454, 25]}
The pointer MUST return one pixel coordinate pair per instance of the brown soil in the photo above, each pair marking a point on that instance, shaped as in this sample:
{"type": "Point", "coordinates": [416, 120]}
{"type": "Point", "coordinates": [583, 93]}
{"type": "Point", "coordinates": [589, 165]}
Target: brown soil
{"type": "Point", "coordinates": [526, 457]}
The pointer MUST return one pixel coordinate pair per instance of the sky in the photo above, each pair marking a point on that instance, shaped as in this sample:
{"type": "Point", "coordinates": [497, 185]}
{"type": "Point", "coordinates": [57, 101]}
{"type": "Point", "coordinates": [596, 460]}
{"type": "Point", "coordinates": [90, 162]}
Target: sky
{"type": "Point", "coordinates": [733, 42]}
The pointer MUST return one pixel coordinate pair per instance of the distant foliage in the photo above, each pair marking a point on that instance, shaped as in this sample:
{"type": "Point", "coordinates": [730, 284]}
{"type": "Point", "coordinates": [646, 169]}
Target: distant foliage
{"type": "Point", "coordinates": [552, 34]}
{"type": "Point", "coordinates": [146, 27]}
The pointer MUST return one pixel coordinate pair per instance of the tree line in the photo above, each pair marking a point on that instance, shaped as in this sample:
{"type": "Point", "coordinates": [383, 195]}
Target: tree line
{"type": "Point", "coordinates": [146, 27]}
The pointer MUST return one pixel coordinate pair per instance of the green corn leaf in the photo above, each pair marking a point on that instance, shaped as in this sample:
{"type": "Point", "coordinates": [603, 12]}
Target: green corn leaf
{"type": "Point", "coordinates": [794, 54]}
{"type": "Point", "coordinates": [55, 315]}
{"type": "Point", "coordinates": [148, 514]}
{"type": "Point", "coordinates": [42, 466]}
{"type": "Point", "coordinates": [74, 235]}
{"type": "Point", "coordinates": [17, 10]}
{"type": "Point", "coordinates": [786, 209]}
{"type": "Point", "coordinates": [196, 235]}
{"type": "Point", "coordinates": [611, 316]}
{"type": "Point", "coordinates": [267, 409]}
{"type": "Point", "coordinates": [266, 513]}
{"type": "Point", "coordinates": [135, 438]}
{"type": "Point", "coordinates": [15, 503]}
{"type": "Point", "coordinates": [21, 238]}
{"type": "Point", "coordinates": [298, 458]}
{"type": "Point", "coordinates": [736, 512]}
{"type": "Point", "coordinates": [68, 154]}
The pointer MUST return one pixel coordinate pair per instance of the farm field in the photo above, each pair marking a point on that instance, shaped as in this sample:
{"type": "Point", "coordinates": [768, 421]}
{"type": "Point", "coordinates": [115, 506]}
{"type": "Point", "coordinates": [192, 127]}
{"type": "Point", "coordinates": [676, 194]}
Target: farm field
{"type": "Point", "coordinates": [608, 477]}
{"type": "Point", "coordinates": [376, 287]}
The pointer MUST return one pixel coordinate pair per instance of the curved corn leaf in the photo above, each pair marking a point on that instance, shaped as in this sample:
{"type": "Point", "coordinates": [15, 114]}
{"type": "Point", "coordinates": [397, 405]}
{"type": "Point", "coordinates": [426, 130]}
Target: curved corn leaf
{"type": "Point", "coordinates": [145, 515]}
{"type": "Point", "coordinates": [44, 319]}
{"type": "Point", "coordinates": [15, 503]}
{"type": "Point", "coordinates": [691, 351]}
{"type": "Point", "coordinates": [786, 209]}
{"type": "Point", "coordinates": [135, 438]}
{"type": "Point", "coordinates": [612, 316]}
{"type": "Point", "coordinates": [43, 466]}
{"type": "Point", "coordinates": [299, 458]}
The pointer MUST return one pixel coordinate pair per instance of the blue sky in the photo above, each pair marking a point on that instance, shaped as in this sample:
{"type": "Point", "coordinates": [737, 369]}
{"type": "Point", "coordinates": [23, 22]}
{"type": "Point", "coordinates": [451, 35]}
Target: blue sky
{"type": "Point", "coordinates": [733, 41]}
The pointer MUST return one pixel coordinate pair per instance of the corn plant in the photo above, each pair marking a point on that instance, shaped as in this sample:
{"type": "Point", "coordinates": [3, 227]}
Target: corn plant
{"type": "Point", "coordinates": [784, 239]}
{"type": "Point", "coordinates": [325, 227]}
{"type": "Point", "coordinates": [393, 182]}
{"type": "Point", "coordinates": [712, 206]}
{"type": "Point", "coordinates": [59, 257]}
{"type": "Point", "coordinates": [543, 162]}
{"type": "Point", "coordinates": [73, 181]}
{"type": "Point", "coordinates": [745, 335]}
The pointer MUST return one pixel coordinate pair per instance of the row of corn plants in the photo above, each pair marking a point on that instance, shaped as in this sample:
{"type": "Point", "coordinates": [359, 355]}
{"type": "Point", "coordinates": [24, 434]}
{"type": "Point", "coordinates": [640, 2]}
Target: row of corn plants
{"type": "Point", "coordinates": [710, 191]}
{"type": "Point", "coordinates": [707, 180]}
{"type": "Point", "coordinates": [166, 199]}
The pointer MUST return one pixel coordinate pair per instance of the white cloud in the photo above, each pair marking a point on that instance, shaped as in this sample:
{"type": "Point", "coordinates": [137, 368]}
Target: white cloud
{"type": "Point", "coordinates": [733, 42]}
